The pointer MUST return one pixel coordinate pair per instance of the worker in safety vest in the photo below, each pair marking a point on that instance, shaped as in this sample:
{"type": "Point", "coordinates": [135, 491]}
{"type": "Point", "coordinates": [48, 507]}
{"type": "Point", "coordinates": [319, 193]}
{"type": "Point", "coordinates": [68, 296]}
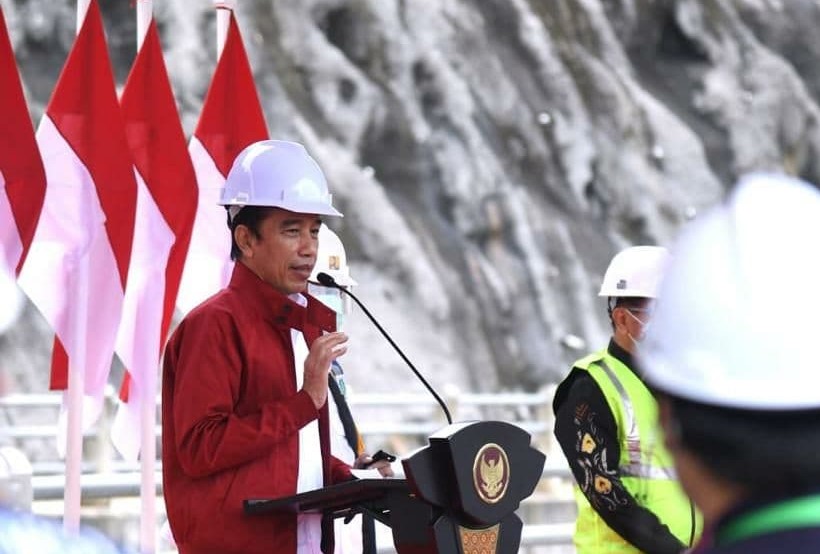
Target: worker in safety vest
{"type": "Point", "coordinates": [628, 497]}
{"type": "Point", "coordinates": [732, 355]}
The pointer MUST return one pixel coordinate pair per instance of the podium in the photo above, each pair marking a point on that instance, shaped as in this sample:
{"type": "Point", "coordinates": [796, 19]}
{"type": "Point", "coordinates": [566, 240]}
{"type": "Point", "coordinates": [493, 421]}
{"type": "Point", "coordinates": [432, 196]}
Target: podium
{"type": "Point", "coordinates": [459, 496]}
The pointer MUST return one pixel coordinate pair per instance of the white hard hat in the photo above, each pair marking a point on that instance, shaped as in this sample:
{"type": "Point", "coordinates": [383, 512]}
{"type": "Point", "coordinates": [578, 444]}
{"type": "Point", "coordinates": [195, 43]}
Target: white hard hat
{"type": "Point", "coordinates": [635, 272]}
{"type": "Point", "coordinates": [736, 319]}
{"type": "Point", "coordinates": [278, 173]}
{"type": "Point", "coordinates": [331, 258]}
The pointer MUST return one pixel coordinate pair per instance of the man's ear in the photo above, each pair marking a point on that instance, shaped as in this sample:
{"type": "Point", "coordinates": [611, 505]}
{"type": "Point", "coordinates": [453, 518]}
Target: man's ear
{"type": "Point", "coordinates": [243, 237]}
{"type": "Point", "coordinates": [618, 317]}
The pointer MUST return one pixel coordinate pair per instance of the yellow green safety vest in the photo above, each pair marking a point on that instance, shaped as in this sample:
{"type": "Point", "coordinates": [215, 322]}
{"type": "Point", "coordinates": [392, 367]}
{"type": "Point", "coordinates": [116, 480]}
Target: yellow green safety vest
{"type": "Point", "coordinates": [646, 467]}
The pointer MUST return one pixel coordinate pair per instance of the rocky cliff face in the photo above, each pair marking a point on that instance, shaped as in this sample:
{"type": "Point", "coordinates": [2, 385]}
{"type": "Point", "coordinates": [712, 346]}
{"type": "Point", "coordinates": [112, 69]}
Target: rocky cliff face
{"type": "Point", "coordinates": [489, 155]}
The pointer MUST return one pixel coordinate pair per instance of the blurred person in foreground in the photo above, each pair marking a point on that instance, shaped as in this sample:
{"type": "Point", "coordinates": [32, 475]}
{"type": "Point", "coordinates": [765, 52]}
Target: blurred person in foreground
{"type": "Point", "coordinates": [628, 497]}
{"type": "Point", "coordinates": [245, 376]}
{"type": "Point", "coordinates": [732, 355]}
{"type": "Point", "coordinates": [25, 533]}
{"type": "Point", "coordinates": [22, 532]}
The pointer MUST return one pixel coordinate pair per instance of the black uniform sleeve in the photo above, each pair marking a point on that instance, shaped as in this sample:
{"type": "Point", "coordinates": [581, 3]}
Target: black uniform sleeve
{"type": "Point", "coordinates": [585, 430]}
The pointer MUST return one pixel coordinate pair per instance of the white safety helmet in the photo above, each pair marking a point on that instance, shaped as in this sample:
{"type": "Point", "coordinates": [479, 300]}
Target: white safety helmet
{"type": "Point", "coordinates": [277, 173]}
{"type": "Point", "coordinates": [331, 258]}
{"type": "Point", "coordinates": [736, 319]}
{"type": "Point", "coordinates": [635, 272]}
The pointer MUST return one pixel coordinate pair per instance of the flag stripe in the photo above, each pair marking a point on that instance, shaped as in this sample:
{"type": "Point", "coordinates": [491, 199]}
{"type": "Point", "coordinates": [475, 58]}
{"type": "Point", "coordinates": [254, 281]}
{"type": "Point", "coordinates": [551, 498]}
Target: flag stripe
{"type": "Point", "coordinates": [78, 262]}
{"type": "Point", "coordinates": [231, 119]}
{"type": "Point", "coordinates": [11, 245]}
{"type": "Point", "coordinates": [166, 205]}
{"type": "Point", "coordinates": [138, 339]}
{"type": "Point", "coordinates": [160, 154]}
{"type": "Point", "coordinates": [208, 266]}
{"type": "Point", "coordinates": [87, 114]}
{"type": "Point", "coordinates": [71, 229]}
{"type": "Point", "coordinates": [232, 116]}
{"type": "Point", "coordinates": [22, 176]}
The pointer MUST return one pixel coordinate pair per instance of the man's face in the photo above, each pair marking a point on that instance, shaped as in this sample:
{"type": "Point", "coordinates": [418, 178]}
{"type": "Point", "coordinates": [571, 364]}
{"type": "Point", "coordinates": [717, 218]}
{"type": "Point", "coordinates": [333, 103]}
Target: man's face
{"type": "Point", "coordinates": [284, 253]}
{"type": "Point", "coordinates": [630, 320]}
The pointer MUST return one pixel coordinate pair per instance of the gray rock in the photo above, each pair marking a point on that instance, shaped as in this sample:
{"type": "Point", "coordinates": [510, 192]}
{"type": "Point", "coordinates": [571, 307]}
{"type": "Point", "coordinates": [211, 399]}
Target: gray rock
{"type": "Point", "coordinates": [490, 156]}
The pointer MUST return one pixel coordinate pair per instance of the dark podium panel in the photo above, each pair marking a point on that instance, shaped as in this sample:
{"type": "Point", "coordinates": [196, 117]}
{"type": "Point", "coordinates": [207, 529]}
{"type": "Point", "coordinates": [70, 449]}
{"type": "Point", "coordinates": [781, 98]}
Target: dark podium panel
{"type": "Point", "coordinates": [459, 497]}
{"type": "Point", "coordinates": [475, 475]}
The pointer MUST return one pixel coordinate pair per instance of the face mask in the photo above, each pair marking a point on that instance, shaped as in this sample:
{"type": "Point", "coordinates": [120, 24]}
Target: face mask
{"type": "Point", "coordinates": [331, 298]}
{"type": "Point", "coordinates": [644, 326]}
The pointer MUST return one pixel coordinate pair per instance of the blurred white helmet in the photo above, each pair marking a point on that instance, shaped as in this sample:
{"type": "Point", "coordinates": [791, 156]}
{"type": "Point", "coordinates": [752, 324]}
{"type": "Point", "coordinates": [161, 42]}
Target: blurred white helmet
{"type": "Point", "coordinates": [331, 258]}
{"type": "Point", "coordinates": [736, 319]}
{"type": "Point", "coordinates": [635, 272]}
{"type": "Point", "coordinates": [277, 173]}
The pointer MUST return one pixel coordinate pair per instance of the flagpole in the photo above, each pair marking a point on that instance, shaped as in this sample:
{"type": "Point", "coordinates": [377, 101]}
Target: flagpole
{"type": "Point", "coordinates": [72, 499]}
{"type": "Point", "coordinates": [224, 8]}
{"type": "Point", "coordinates": [72, 496]}
{"type": "Point", "coordinates": [148, 400]}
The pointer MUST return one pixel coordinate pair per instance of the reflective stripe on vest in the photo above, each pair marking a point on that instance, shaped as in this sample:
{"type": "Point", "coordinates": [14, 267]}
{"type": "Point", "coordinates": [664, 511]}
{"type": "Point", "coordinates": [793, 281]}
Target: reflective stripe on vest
{"type": "Point", "coordinates": [635, 466]}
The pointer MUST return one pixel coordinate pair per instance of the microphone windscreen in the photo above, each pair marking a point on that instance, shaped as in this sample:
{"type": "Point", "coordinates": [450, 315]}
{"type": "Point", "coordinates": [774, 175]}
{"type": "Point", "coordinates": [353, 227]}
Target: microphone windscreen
{"type": "Point", "coordinates": [326, 280]}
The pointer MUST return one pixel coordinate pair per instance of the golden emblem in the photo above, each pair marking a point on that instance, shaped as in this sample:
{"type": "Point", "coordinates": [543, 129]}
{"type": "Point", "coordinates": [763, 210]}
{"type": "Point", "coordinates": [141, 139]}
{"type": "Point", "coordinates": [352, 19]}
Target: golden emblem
{"type": "Point", "coordinates": [491, 473]}
{"type": "Point", "coordinates": [588, 445]}
{"type": "Point", "coordinates": [602, 485]}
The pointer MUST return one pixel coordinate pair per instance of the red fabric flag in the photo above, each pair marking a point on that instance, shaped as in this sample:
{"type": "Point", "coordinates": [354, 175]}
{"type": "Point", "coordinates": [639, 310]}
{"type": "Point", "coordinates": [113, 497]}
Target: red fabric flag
{"type": "Point", "coordinates": [22, 178]}
{"type": "Point", "coordinates": [231, 119]}
{"type": "Point", "coordinates": [167, 197]}
{"type": "Point", "coordinates": [78, 261]}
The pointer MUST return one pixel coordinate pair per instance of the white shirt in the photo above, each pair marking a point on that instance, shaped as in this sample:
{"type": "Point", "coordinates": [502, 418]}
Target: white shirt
{"type": "Point", "coordinates": [310, 475]}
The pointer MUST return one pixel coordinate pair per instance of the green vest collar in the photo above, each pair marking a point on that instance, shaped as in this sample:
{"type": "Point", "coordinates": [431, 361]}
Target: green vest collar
{"type": "Point", "coordinates": [797, 513]}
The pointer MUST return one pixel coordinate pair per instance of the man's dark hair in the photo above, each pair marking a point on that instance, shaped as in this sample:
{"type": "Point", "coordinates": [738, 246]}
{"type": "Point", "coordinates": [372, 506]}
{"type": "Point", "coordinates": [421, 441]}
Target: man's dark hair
{"type": "Point", "coordinates": [251, 217]}
{"type": "Point", "coordinates": [774, 452]}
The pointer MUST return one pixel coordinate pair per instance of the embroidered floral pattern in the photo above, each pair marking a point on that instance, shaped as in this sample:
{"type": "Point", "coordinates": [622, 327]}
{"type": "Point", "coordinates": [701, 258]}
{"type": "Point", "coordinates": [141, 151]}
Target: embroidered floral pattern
{"type": "Point", "coordinates": [601, 485]}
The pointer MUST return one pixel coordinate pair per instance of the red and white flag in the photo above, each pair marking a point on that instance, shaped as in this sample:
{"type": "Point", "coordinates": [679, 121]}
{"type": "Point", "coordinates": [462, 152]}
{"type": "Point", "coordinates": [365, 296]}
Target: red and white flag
{"type": "Point", "coordinates": [231, 119]}
{"type": "Point", "coordinates": [77, 266]}
{"type": "Point", "coordinates": [166, 204]}
{"type": "Point", "coordinates": [22, 178]}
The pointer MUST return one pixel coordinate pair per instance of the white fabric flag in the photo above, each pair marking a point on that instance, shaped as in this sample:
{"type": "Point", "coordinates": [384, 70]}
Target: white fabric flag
{"type": "Point", "coordinates": [77, 267]}
{"type": "Point", "coordinates": [231, 119]}
{"type": "Point", "coordinates": [165, 212]}
{"type": "Point", "coordinates": [208, 266]}
{"type": "Point", "coordinates": [139, 336]}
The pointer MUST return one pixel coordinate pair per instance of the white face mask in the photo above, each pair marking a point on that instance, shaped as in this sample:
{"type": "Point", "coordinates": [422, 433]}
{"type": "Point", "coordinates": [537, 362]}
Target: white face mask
{"type": "Point", "coordinates": [644, 326]}
{"type": "Point", "coordinates": [331, 298]}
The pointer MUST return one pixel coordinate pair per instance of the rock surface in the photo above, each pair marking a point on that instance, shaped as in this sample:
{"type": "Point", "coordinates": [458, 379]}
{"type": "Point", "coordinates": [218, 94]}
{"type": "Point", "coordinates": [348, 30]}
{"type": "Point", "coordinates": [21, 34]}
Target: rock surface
{"type": "Point", "coordinates": [490, 156]}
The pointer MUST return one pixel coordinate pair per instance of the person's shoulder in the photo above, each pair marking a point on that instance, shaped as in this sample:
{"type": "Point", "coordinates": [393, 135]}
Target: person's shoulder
{"type": "Point", "coordinates": [223, 304]}
{"type": "Point", "coordinates": [589, 359]}
{"type": "Point", "coordinates": [216, 316]}
{"type": "Point", "coordinates": [577, 379]}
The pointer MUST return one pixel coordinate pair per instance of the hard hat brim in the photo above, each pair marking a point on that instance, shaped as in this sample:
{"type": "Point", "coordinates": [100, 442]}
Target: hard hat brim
{"type": "Point", "coordinates": [317, 208]}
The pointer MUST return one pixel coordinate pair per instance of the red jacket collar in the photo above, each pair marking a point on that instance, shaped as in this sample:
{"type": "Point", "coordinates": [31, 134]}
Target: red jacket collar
{"type": "Point", "coordinates": [278, 309]}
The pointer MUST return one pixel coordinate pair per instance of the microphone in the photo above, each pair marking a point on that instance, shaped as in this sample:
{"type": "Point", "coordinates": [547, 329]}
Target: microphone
{"type": "Point", "coordinates": [328, 281]}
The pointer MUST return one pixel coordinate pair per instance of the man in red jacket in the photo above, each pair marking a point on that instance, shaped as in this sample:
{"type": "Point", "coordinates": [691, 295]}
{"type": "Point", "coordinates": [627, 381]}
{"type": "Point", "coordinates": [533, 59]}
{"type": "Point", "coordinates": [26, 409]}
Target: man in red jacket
{"type": "Point", "coordinates": [245, 377]}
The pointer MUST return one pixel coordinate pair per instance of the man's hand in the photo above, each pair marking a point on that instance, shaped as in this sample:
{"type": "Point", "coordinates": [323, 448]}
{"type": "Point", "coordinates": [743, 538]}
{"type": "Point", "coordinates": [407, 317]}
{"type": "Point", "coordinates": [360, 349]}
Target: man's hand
{"type": "Point", "coordinates": [323, 351]}
{"type": "Point", "coordinates": [366, 461]}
